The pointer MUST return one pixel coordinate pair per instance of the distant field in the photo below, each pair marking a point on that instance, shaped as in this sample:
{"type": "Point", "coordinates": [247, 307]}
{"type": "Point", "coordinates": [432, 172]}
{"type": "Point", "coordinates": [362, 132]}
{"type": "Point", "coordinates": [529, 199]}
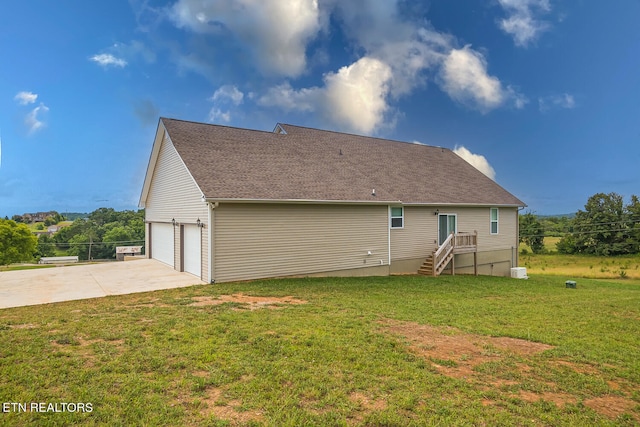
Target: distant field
{"type": "Point", "coordinates": [623, 267]}
{"type": "Point", "coordinates": [549, 244]}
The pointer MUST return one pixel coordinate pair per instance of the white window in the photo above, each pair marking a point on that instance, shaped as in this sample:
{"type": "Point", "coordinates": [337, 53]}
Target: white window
{"type": "Point", "coordinates": [397, 217]}
{"type": "Point", "coordinates": [494, 220]}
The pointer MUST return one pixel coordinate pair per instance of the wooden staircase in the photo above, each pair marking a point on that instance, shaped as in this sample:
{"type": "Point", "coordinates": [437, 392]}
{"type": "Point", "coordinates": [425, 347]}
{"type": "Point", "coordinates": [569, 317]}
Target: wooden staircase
{"type": "Point", "coordinates": [427, 268]}
{"type": "Point", "coordinates": [443, 256]}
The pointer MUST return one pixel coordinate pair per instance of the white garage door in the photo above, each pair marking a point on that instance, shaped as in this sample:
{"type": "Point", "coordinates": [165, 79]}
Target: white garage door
{"type": "Point", "coordinates": [192, 249]}
{"type": "Point", "coordinates": [162, 242]}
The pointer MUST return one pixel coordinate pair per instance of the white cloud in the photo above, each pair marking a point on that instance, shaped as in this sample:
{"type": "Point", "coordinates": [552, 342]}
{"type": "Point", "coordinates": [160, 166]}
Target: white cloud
{"type": "Point", "coordinates": [354, 98]}
{"type": "Point", "coordinates": [395, 52]}
{"type": "Point", "coordinates": [287, 98]}
{"type": "Point", "coordinates": [275, 31]}
{"type": "Point", "coordinates": [522, 21]}
{"type": "Point", "coordinates": [33, 120]}
{"type": "Point", "coordinates": [476, 160]}
{"type": "Point", "coordinates": [106, 60]}
{"type": "Point", "coordinates": [227, 96]}
{"type": "Point", "coordinates": [228, 92]}
{"type": "Point", "coordinates": [465, 78]}
{"type": "Point", "coordinates": [356, 95]}
{"type": "Point", "coordinates": [519, 100]}
{"type": "Point", "coordinates": [564, 101]}
{"type": "Point", "coordinates": [25, 98]}
{"type": "Point", "coordinates": [216, 115]}
{"type": "Point", "coordinates": [409, 49]}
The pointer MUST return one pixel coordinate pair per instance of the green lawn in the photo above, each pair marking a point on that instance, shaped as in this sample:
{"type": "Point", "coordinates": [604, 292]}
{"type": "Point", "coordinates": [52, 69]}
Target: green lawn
{"type": "Point", "coordinates": [390, 351]}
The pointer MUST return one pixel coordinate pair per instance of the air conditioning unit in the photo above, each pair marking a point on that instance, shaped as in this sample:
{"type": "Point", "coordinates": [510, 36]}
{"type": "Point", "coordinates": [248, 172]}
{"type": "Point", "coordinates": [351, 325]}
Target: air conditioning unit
{"type": "Point", "coordinates": [519, 273]}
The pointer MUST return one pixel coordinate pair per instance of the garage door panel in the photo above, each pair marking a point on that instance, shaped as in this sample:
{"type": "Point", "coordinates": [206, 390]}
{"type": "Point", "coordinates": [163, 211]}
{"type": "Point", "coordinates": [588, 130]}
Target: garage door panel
{"type": "Point", "coordinates": [192, 250]}
{"type": "Point", "coordinates": [162, 243]}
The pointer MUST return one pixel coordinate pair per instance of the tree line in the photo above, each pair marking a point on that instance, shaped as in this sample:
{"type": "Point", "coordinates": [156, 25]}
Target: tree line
{"type": "Point", "coordinates": [607, 226]}
{"type": "Point", "coordinates": [94, 236]}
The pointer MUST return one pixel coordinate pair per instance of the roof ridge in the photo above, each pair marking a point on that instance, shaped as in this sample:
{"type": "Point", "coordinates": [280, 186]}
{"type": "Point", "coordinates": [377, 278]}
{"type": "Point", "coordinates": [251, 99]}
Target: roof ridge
{"type": "Point", "coordinates": [215, 124]}
{"type": "Point", "coordinates": [362, 136]}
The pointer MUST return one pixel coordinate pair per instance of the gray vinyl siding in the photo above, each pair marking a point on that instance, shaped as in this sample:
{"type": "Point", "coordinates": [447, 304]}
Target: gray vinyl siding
{"type": "Point", "coordinates": [173, 194]}
{"type": "Point", "coordinates": [470, 219]}
{"type": "Point", "coordinates": [269, 240]}
{"type": "Point", "coordinates": [419, 236]}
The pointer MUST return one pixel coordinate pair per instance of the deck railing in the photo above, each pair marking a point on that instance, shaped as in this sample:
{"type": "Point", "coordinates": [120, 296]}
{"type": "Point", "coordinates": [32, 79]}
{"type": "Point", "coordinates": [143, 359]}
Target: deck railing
{"type": "Point", "coordinates": [441, 255]}
{"type": "Point", "coordinates": [466, 242]}
{"type": "Point", "coordinates": [458, 243]}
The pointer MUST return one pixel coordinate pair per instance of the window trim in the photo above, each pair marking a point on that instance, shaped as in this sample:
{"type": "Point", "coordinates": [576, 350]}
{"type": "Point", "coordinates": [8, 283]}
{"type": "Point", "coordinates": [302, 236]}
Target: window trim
{"type": "Point", "coordinates": [391, 217]}
{"type": "Point", "coordinates": [455, 230]}
{"type": "Point", "coordinates": [492, 221]}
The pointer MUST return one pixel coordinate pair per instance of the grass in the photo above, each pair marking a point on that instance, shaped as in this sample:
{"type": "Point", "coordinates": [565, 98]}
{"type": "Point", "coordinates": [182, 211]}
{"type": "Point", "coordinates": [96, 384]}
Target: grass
{"type": "Point", "coordinates": [24, 267]}
{"type": "Point", "coordinates": [390, 351]}
{"type": "Point", "coordinates": [594, 267]}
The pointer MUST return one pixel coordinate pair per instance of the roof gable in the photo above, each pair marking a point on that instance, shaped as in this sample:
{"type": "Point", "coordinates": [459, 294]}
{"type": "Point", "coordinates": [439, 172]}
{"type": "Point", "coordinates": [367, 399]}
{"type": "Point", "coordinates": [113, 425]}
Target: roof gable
{"type": "Point", "coordinates": [298, 163]}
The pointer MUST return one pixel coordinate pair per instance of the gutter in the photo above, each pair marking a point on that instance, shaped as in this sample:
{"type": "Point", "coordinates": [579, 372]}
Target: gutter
{"type": "Point", "coordinates": [355, 202]}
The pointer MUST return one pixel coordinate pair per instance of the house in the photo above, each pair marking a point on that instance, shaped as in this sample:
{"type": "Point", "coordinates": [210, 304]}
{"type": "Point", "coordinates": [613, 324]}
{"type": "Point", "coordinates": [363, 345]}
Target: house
{"type": "Point", "coordinates": [229, 204]}
{"type": "Point", "coordinates": [37, 216]}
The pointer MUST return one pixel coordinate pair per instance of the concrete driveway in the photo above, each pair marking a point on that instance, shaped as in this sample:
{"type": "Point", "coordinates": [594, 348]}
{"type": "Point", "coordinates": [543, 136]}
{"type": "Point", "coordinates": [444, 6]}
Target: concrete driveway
{"type": "Point", "coordinates": [46, 285]}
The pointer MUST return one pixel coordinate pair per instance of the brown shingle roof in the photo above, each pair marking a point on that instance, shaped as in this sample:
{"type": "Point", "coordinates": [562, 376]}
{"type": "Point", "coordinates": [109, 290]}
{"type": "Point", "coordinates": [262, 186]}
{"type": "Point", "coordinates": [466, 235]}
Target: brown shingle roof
{"type": "Point", "coordinates": [312, 164]}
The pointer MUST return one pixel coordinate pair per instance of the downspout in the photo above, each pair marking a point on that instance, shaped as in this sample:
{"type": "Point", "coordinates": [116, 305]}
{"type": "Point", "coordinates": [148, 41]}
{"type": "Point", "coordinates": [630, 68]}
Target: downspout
{"type": "Point", "coordinates": [517, 237]}
{"type": "Point", "coordinates": [389, 235]}
{"type": "Point", "coordinates": [210, 244]}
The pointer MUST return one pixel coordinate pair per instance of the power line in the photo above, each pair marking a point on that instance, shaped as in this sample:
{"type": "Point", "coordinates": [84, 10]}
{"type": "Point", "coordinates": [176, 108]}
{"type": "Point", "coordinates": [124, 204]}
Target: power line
{"type": "Point", "coordinates": [89, 243]}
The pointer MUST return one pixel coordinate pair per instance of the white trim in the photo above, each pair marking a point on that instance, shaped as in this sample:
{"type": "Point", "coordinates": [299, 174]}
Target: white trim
{"type": "Point", "coordinates": [305, 201]}
{"type": "Point", "coordinates": [497, 221]}
{"type": "Point", "coordinates": [209, 237]}
{"type": "Point", "coordinates": [391, 217]}
{"type": "Point", "coordinates": [279, 129]}
{"type": "Point", "coordinates": [356, 202]}
{"type": "Point", "coordinates": [389, 247]}
{"type": "Point", "coordinates": [151, 165]}
{"type": "Point", "coordinates": [462, 205]}
{"type": "Point", "coordinates": [447, 215]}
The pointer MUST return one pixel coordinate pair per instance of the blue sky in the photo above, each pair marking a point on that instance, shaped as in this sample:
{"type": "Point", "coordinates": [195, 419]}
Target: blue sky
{"type": "Point", "coordinates": [542, 95]}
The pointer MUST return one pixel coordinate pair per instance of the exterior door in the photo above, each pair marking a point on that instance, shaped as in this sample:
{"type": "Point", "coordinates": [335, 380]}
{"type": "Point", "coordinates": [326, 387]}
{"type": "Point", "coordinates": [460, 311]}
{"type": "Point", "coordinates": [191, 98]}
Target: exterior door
{"type": "Point", "coordinates": [447, 224]}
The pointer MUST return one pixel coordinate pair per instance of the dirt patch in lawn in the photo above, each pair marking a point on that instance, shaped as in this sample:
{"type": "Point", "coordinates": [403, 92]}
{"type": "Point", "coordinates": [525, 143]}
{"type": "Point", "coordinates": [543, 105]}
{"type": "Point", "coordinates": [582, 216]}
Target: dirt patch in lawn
{"type": "Point", "coordinates": [504, 364]}
{"type": "Point", "coordinates": [250, 302]}
{"type": "Point", "coordinates": [229, 409]}
{"type": "Point", "coordinates": [457, 354]}
{"type": "Point", "coordinates": [612, 406]}
{"type": "Point", "coordinates": [560, 399]}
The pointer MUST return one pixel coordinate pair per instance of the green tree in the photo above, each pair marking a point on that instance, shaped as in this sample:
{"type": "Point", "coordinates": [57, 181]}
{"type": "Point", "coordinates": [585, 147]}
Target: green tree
{"type": "Point", "coordinates": [104, 216]}
{"type": "Point", "coordinates": [566, 245]}
{"type": "Point", "coordinates": [51, 220]}
{"type": "Point", "coordinates": [79, 245]}
{"type": "Point", "coordinates": [633, 218]}
{"type": "Point", "coordinates": [603, 228]}
{"type": "Point", "coordinates": [17, 243]}
{"type": "Point", "coordinates": [97, 235]}
{"type": "Point", "coordinates": [116, 237]}
{"type": "Point", "coordinates": [532, 232]}
{"type": "Point", "coordinates": [45, 246]}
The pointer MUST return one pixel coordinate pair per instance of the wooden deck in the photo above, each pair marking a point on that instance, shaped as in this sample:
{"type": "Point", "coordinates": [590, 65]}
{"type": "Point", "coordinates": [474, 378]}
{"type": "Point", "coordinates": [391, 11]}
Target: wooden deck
{"type": "Point", "coordinates": [458, 243]}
